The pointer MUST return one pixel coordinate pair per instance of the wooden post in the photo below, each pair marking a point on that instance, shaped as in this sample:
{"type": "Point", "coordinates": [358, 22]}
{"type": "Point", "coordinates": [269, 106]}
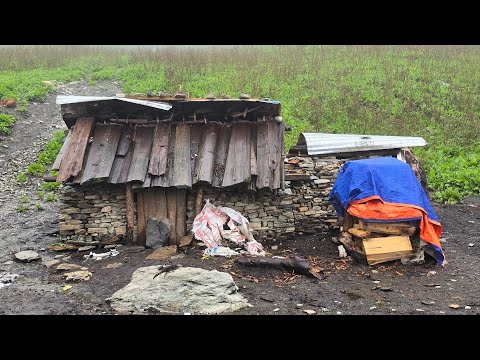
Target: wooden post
{"type": "Point", "coordinates": [130, 214]}
{"type": "Point", "coordinates": [198, 200]}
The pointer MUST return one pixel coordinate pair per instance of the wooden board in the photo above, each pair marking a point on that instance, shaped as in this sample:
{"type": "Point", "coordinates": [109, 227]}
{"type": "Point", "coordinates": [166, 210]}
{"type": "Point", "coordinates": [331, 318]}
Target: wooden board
{"type": "Point", "coordinates": [141, 222]}
{"type": "Point", "coordinates": [120, 166]}
{"type": "Point", "coordinates": [263, 156]}
{"type": "Point", "coordinates": [61, 153]}
{"type": "Point", "coordinates": [102, 152]}
{"type": "Point", "coordinates": [182, 173]}
{"type": "Point", "coordinates": [237, 167]}
{"type": "Point", "coordinates": [276, 131]}
{"type": "Point", "coordinates": [125, 141]}
{"type": "Point", "coordinates": [206, 155]}
{"type": "Point", "coordinates": [359, 233]}
{"type": "Point", "coordinates": [388, 248]}
{"type": "Point", "coordinates": [73, 159]}
{"type": "Point", "coordinates": [142, 147]}
{"type": "Point", "coordinates": [181, 225]}
{"type": "Point", "coordinates": [196, 133]}
{"type": "Point", "coordinates": [172, 213]}
{"type": "Point", "coordinates": [397, 228]}
{"type": "Point", "coordinates": [221, 152]}
{"type": "Point", "coordinates": [130, 213]}
{"type": "Point", "coordinates": [161, 201]}
{"type": "Point", "coordinates": [158, 160]}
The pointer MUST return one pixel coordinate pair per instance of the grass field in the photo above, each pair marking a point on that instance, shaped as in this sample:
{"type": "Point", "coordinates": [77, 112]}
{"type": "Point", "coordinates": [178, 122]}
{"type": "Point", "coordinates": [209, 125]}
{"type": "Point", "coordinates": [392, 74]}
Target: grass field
{"type": "Point", "coordinates": [433, 92]}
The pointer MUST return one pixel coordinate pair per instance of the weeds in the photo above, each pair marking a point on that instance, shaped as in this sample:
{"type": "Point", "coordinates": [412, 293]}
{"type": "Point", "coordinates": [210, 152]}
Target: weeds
{"type": "Point", "coordinates": [39, 207]}
{"type": "Point", "coordinates": [48, 155]}
{"type": "Point", "coordinates": [24, 199]}
{"type": "Point", "coordinates": [50, 186]}
{"type": "Point", "coordinates": [22, 208]}
{"type": "Point", "coordinates": [6, 123]}
{"type": "Point", "coordinates": [50, 197]}
{"type": "Point", "coordinates": [22, 178]}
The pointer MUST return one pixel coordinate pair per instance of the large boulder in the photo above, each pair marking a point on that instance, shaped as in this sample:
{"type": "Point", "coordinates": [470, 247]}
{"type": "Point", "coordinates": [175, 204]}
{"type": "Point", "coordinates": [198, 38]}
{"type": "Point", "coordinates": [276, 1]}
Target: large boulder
{"type": "Point", "coordinates": [184, 290]}
{"type": "Point", "coordinates": [158, 232]}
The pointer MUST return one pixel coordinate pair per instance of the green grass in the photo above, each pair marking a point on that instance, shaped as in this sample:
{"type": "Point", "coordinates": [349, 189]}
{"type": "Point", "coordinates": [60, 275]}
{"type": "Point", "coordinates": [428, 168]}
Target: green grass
{"type": "Point", "coordinates": [22, 208]}
{"type": "Point", "coordinates": [50, 197]}
{"type": "Point", "coordinates": [50, 186]}
{"type": "Point", "coordinates": [428, 91]}
{"type": "Point", "coordinates": [39, 207]}
{"type": "Point", "coordinates": [24, 199]}
{"type": "Point", "coordinates": [48, 155]}
{"type": "Point", "coordinates": [22, 178]}
{"type": "Point", "coordinates": [6, 124]}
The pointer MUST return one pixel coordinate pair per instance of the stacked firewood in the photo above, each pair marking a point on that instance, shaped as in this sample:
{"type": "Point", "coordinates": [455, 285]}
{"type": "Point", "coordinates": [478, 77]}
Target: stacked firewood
{"type": "Point", "coordinates": [376, 242]}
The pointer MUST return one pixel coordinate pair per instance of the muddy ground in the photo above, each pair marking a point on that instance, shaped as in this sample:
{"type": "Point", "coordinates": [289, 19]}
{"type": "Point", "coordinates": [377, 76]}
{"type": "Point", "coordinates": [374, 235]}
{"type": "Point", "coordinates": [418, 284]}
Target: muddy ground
{"type": "Point", "coordinates": [346, 287]}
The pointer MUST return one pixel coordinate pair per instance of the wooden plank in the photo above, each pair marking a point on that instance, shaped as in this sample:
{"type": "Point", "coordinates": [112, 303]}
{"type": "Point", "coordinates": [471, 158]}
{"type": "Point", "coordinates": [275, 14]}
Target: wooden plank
{"type": "Point", "coordinates": [158, 161]}
{"type": "Point", "coordinates": [359, 233]}
{"type": "Point", "coordinates": [149, 204]}
{"type": "Point", "coordinates": [78, 178]}
{"type": "Point", "coordinates": [387, 248]}
{"type": "Point", "coordinates": [161, 203]}
{"type": "Point", "coordinates": [253, 159]}
{"type": "Point", "coordinates": [61, 153]}
{"type": "Point", "coordinates": [130, 213]}
{"type": "Point", "coordinates": [181, 225]}
{"type": "Point", "coordinates": [166, 179]}
{"type": "Point", "coordinates": [263, 157]}
{"type": "Point", "coordinates": [196, 133]}
{"type": "Point", "coordinates": [181, 167]}
{"type": "Point", "coordinates": [73, 160]}
{"type": "Point", "coordinates": [171, 194]}
{"type": "Point", "coordinates": [206, 155]}
{"type": "Point", "coordinates": [237, 167]}
{"type": "Point", "coordinates": [291, 177]}
{"type": "Point", "coordinates": [141, 223]}
{"type": "Point", "coordinates": [142, 146]}
{"type": "Point", "coordinates": [102, 152]}
{"type": "Point", "coordinates": [276, 168]}
{"type": "Point", "coordinates": [221, 152]}
{"type": "Point", "coordinates": [120, 166]}
{"type": "Point", "coordinates": [198, 200]}
{"type": "Point", "coordinates": [397, 228]}
{"type": "Point", "coordinates": [125, 141]}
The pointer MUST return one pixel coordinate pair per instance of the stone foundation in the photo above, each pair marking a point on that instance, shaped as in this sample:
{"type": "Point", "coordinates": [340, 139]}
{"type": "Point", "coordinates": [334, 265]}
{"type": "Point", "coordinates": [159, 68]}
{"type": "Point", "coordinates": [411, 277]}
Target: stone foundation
{"type": "Point", "coordinates": [98, 212]}
{"type": "Point", "coordinates": [92, 213]}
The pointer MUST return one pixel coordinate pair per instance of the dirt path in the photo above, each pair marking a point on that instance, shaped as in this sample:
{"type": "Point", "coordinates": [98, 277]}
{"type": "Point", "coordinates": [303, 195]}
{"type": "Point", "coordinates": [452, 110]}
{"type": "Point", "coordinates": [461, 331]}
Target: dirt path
{"type": "Point", "coordinates": [345, 288]}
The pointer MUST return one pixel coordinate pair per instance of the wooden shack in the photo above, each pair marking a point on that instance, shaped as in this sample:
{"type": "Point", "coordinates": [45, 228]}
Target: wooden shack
{"type": "Point", "coordinates": [126, 160]}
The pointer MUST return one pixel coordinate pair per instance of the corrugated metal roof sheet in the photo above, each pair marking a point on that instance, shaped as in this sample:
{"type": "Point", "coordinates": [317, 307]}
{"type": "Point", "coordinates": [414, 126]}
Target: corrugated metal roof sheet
{"type": "Point", "coordinates": [323, 143]}
{"type": "Point", "coordinates": [74, 99]}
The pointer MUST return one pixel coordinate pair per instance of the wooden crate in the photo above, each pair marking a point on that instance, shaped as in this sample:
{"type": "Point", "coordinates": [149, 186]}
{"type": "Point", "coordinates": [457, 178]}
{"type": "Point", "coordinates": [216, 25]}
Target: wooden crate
{"type": "Point", "coordinates": [382, 249]}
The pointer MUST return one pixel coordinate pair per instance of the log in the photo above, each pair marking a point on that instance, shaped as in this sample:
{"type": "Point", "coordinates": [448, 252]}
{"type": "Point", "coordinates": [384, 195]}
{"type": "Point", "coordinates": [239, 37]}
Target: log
{"type": "Point", "coordinates": [296, 264]}
{"type": "Point", "coordinates": [399, 228]}
{"type": "Point", "coordinates": [359, 233]}
{"type": "Point", "coordinates": [198, 201]}
{"type": "Point", "coordinates": [130, 212]}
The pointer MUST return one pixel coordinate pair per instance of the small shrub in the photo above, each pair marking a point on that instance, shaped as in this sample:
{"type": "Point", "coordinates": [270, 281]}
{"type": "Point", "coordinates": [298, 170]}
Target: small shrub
{"type": "Point", "coordinates": [6, 124]}
{"type": "Point", "coordinates": [39, 207]}
{"type": "Point", "coordinates": [51, 197]}
{"type": "Point", "coordinates": [22, 178]}
{"type": "Point", "coordinates": [50, 186]}
{"type": "Point", "coordinates": [40, 195]}
{"type": "Point", "coordinates": [22, 208]}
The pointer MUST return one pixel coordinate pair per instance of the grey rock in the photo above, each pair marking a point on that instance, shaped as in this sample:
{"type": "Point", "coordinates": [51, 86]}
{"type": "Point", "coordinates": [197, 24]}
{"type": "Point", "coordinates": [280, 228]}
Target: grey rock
{"type": "Point", "coordinates": [130, 249]}
{"type": "Point", "coordinates": [27, 256]}
{"type": "Point", "coordinates": [158, 233]}
{"type": "Point", "coordinates": [186, 289]}
{"type": "Point", "coordinates": [87, 248]}
{"type": "Point", "coordinates": [51, 263]}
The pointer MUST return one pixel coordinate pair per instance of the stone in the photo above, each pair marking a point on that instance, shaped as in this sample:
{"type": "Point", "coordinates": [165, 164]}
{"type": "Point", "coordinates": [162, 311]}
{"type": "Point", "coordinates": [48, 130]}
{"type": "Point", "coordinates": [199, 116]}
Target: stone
{"type": "Point", "coordinates": [51, 263]}
{"type": "Point", "coordinates": [27, 256]}
{"type": "Point", "coordinates": [162, 253]}
{"type": "Point", "coordinates": [131, 249]}
{"type": "Point", "coordinates": [186, 289]}
{"type": "Point", "coordinates": [309, 312]}
{"type": "Point", "coordinates": [113, 265]}
{"type": "Point", "coordinates": [106, 209]}
{"type": "Point", "coordinates": [68, 227]}
{"type": "Point", "coordinates": [110, 246]}
{"type": "Point", "coordinates": [82, 275]}
{"type": "Point", "coordinates": [66, 267]}
{"type": "Point", "coordinates": [321, 181]}
{"type": "Point", "coordinates": [186, 240]}
{"type": "Point", "coordinates": [303, 208]}
{"type": "Point", "coordinates": [87, 248]}
{"type": "Point", "coordinates": [158, 233]}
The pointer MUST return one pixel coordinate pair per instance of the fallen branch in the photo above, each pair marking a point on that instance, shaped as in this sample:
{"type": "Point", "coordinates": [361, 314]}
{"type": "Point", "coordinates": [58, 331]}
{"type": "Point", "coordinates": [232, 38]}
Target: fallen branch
{"type": "Point", "coordinates": [296, 264]}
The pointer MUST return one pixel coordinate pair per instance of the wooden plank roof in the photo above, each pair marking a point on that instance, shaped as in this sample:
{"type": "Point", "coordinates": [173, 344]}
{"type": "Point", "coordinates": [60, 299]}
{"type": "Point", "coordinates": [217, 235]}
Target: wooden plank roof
{"type": "Point", "coordinates": [175, 155]}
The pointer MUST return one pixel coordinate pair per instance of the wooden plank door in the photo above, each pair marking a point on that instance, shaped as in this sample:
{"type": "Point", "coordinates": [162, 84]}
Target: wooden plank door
{"type": "Point", "coordinates": [161, 203]}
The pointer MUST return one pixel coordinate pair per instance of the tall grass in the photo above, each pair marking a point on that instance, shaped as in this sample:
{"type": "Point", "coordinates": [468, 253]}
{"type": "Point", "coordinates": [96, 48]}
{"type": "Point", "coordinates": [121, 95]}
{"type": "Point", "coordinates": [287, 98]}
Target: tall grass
{"type": "Point", "coordinates": [433, 92]}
